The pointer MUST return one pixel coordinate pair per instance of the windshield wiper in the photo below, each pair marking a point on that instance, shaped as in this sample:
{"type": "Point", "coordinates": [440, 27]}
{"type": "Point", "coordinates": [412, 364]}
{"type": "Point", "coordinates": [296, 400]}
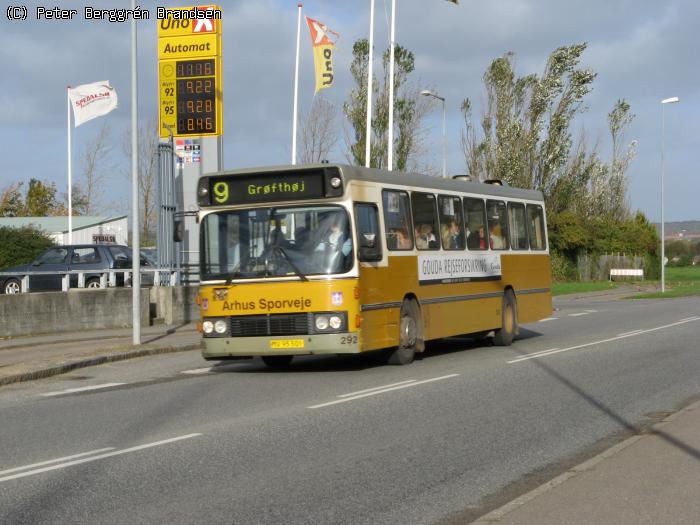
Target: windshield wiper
{"type": "Point", "coordinates": [235, 273]}
{"type": "Point", "coordinates": [296, 269]}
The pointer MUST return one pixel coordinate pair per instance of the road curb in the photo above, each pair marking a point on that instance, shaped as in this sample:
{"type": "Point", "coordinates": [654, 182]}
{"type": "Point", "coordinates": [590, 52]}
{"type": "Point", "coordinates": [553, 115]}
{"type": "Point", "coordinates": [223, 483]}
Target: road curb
{"type": "Point", "coordinates": [20, 343]}
{"type": "Point", "coordinates": [496, 515]}
{"type": "Point", "coordinates": [95, 360]}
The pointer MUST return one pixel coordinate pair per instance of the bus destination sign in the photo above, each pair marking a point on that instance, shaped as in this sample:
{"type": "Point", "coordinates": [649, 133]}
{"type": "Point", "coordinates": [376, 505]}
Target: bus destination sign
{"type": "Point", "coordinates": [244, 189]}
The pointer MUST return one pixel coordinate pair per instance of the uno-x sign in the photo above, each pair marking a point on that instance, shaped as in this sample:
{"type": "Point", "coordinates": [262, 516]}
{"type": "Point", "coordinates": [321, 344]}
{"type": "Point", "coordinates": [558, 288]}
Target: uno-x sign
{"type": "Point", "coordinates": [188, 21]}
{"type": "Point", "coordinates": [204, 25]}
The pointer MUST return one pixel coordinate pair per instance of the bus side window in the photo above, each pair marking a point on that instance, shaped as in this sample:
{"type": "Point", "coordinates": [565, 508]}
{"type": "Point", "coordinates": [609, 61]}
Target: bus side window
{"type": "Point", "coordinates": [451, 222]}
{"type": "Point", "coordinates": [535, 226]}
{"type": "Point", "coordinates": [475, 215]}
{"type": "Point", "coordinates": [497, 217]}
{"type": "Point", "coordinates": [518, 229]}
{"type": "Point", "coordinates": [397, 220]}
{"type": "Point", "coordinates": [425, 221]}
{"type": "Point", "coordinates": [368, 235]}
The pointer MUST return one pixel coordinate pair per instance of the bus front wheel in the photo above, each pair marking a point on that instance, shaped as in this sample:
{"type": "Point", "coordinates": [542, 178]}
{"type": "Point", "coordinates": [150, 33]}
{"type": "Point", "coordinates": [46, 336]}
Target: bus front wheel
{"type": "Point", "coordinates": [277, 361]}
{"type": "Point", "coordinates": [409, 333]}
{"type": "Point", "coordinates": [509, 321]}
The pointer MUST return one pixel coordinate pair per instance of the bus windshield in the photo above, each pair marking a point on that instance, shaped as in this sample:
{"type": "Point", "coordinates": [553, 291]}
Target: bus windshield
{"type": "Point", "coordinates": [275, 242]}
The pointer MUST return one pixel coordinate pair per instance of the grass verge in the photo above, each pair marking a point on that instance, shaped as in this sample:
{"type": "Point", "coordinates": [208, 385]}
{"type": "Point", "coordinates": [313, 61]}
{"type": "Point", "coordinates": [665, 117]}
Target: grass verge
{"type": "Point", "coordinates": [680, 282]}
{"type": "Point", "coordinates": [673, 289]}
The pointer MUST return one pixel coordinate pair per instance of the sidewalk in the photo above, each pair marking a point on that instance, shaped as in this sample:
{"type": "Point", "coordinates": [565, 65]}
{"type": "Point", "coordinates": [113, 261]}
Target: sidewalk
{"type": "Point", "coordinates": [648, 479]}
{"type": "Point", "coordinates": [28, 358]}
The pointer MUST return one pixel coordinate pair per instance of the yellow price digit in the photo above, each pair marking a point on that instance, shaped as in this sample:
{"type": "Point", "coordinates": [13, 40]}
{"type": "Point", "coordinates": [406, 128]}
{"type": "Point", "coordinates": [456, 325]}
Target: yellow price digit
{"type": "Point", "coordinates": [221, 192]}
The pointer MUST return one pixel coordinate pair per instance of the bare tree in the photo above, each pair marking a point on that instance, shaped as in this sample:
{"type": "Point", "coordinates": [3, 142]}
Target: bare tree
{"type": "Point", "coordinates": [147, 173]}
{"type": "Point", "coordinates": [318, 132]}
{"type": "Point", "coordinates": [93, 162]}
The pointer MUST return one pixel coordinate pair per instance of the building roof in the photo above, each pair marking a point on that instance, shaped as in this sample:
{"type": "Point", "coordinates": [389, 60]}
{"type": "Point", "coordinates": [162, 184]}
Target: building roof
{"type": "Point", "coordinates": [58, 224]}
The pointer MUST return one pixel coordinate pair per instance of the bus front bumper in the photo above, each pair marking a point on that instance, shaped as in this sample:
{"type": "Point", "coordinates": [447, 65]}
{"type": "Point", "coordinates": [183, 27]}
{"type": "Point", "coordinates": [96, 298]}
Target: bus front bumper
{"type": "Point", "coordinates": [222, 347]}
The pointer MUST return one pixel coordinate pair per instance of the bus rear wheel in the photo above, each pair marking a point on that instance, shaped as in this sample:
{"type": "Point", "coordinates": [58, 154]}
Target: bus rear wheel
{"type": "Point", "coordinates": [277, 362]}
{"type": "Point", "coordinates": [409, 333]}
{"type": "Point", "coordinates": [509, 321]}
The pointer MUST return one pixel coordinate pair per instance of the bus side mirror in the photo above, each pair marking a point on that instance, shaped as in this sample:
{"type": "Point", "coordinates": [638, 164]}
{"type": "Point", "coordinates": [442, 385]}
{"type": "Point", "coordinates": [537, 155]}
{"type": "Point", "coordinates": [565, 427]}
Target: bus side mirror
{"type": "Point", "coordinates": [178, 231]}
{"type": "Point", "coordinates": [370, 250]}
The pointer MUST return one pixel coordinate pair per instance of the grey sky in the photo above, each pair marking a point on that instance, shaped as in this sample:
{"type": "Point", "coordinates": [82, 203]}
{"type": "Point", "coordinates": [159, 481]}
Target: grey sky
{"type": "Point", "coordinates": [642, 51]}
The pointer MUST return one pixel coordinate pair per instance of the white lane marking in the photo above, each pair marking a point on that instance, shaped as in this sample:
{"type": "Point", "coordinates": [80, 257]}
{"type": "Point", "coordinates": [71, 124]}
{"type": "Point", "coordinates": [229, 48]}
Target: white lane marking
{"type": "Point", "coordinates": [376, 388]}
{"type": "Point", "coordinates": [546, 353]}
{"type": "Point", "coordinates": [548, 319]}
{"type": "Point", "coordinates": [591, 311]}
{"type": "Point", "coordinates": [539, 352]}
{"type": "Point", "coordinates": [57, 460]}
{"type": "Point", "coordinates": [81, 389]}
{"type": "Point", "coordinates": [95, 458]}
{"type": "Point", "coordinates": [579, 314]}
{"type": "Point", "coordinates": [198, 370]}
{"type": "Point", "coordinates": [376, 392]}
{"type": "Point", "coordinates": [630, 333]}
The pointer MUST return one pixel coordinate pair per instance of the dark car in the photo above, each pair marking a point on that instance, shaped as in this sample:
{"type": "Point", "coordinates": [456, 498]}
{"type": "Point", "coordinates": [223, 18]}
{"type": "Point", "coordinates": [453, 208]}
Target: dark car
{"type": "Point", "coordinates": [61, 259]}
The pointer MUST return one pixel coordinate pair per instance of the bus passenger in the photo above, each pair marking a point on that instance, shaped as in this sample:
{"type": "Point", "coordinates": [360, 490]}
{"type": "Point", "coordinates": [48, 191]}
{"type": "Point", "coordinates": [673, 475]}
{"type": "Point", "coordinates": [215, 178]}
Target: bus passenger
{"type": "Point", "coordinates": [497, 240]}
{"type": "Point", "coordinates": [403, 242]}
{"type": "Point", "coordinates": [451, 237]}
{"type": "Point", "coordinates": [476, 240]}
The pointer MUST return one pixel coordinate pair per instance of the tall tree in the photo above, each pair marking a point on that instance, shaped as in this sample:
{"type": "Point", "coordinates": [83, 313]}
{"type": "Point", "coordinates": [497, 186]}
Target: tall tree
{"type": "Point", "coordinates": [318, 132]}
{"type": "Point", "coordinates": [409, 110]}
{"type": "Point", "coordinates": [525, 134]}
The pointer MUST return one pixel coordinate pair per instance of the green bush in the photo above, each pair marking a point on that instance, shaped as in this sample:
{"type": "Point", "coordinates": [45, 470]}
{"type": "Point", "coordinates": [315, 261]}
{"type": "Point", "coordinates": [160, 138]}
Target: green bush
{"type": "Point", "coordinates": [562, 268]}
{"type": "Point", "coordinates": [572, 237]}
{"type": "Point", "coordinates": [21, 245]}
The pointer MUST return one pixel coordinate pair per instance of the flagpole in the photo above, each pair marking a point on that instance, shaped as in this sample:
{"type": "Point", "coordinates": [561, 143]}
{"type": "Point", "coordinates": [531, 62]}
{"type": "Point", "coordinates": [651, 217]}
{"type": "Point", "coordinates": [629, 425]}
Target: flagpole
{"type": "Point", "coordinates": [390, 163]}
{"type": "Point", "coordinates": [70, 177]}
{"type": "Point", "coordinates": [296, 88]}
{"type": "Point", "coordinates": [136, 251]}
{"type": "Point", "coordinates": [368, 136]}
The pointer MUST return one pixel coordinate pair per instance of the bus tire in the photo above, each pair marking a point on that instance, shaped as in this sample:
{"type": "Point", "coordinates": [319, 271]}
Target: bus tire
{"type": "Point", "coordinates": [509, 321]}
{"type": "Point", "coordinates": [277, 362]}
{"type": "Point", "coordinates": [409, 334]}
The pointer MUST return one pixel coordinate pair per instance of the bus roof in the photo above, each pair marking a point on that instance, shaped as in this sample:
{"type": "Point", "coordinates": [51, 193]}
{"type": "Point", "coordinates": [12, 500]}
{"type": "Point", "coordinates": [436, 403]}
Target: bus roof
{"type": "Point", "coordinates": [361, 173]}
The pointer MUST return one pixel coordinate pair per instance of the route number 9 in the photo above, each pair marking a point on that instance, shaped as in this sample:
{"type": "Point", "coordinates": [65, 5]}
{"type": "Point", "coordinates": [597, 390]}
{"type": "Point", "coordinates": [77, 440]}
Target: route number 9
{"type": "Point", "coordinates": [221, 192]}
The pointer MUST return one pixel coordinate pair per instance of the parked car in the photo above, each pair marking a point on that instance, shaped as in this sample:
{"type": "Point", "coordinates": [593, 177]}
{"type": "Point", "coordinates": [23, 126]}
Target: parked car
{"type": "Point", "coordinates": [60, 259]}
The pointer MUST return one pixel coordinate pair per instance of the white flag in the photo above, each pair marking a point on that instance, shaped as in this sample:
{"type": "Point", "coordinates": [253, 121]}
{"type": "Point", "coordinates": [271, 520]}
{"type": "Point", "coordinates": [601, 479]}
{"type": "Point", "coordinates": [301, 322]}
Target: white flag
{"type": "Point", "coordinates": [92, 100]}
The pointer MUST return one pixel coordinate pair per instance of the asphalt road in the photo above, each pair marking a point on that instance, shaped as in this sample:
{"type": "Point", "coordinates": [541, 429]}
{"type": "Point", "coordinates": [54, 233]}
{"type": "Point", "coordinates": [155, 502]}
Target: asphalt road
{"type": "Point", "coordinates": [469, 427]}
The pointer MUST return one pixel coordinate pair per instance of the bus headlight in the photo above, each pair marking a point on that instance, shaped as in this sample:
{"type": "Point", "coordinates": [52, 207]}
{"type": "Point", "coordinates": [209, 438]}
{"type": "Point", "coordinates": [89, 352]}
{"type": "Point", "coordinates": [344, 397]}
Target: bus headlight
{"type": "Point", "coordinates": [322, 322]}
{"type": "Point", "coordinates": [208, 327]}
{"type": "Point", "coordinates": [328, 322]}
{"type": "Point", "coordinates": [220, 326]}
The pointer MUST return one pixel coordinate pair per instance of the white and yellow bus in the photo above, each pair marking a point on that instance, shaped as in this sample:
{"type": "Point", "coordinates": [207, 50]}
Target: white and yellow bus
{"type": "Point", "coordinates": [336, 259]}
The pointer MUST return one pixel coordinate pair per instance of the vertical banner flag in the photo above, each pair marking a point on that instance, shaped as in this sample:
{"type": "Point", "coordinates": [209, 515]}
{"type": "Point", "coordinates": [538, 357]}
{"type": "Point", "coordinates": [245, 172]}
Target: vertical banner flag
{"type": "Point", "coordinates": [92, 100]}
{"type": "Point", "coordinates": [323, 48]}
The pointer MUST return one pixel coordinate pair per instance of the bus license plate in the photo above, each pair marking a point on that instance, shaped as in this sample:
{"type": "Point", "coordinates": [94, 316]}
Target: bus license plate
{"type": "Point", "coordinates": [286, 343]}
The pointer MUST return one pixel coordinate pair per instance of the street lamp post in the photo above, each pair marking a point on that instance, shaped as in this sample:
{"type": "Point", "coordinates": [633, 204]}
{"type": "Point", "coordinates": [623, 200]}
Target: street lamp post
{"type": "Point", "coordinates": [429, 93]}
{"type": "Point", "coordinates": [665, 101]}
